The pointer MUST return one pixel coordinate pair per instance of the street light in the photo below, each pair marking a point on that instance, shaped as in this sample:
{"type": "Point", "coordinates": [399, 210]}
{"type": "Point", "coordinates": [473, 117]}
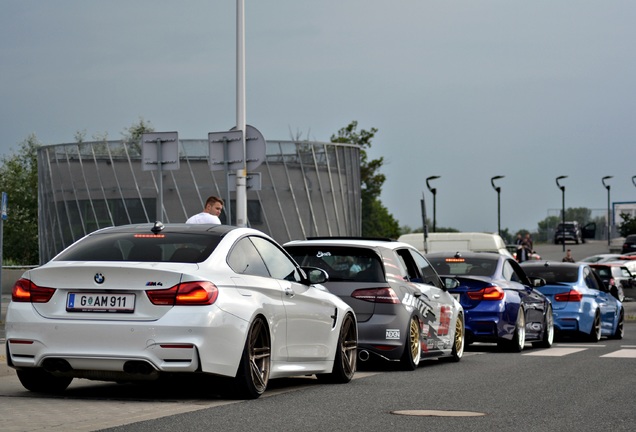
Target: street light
{"type": "Point", "coordinates": [434, 192]}
{"type": "Point", "coordinates": [498, 190]}
{"type": "Point", "coordinates": [634, 180]}
{"type": "Point", "coordinates": [562, 206]}
{"type": "Point", "coordinates": [608, 206]}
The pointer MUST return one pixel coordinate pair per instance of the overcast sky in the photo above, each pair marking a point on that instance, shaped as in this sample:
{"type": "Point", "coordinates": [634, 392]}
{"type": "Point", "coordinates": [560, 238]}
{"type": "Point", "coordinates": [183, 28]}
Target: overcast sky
{"type": "Point", "coordinates": [463, 89]}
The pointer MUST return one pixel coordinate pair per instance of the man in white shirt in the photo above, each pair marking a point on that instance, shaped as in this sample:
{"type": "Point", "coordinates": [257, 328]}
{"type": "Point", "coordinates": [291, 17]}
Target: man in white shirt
{"type": "Point", "coordinates": [210, 214]}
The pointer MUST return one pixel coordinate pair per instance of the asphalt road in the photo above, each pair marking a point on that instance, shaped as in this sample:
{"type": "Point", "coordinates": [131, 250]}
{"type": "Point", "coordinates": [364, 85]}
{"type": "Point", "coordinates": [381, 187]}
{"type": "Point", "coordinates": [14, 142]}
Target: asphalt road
{"type": "Point", "coordinates": [572, 386]}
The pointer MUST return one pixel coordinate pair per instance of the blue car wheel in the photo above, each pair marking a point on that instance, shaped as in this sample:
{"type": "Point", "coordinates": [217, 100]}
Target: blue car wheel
{"type": "Point", "coordinates": [620, 330]}
{"type": "Point", "coordinates": [595, 331]}
{"type": "Point", "coordinates": [518, 336]}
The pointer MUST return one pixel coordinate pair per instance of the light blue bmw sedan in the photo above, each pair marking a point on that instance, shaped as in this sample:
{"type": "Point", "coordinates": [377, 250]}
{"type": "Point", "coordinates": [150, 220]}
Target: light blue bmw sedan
{"type": "Point", "coordinates": [581, 303]}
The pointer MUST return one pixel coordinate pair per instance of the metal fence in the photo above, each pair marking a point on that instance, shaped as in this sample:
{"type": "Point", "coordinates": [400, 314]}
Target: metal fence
{"type": "Point", "coordinates": [307, 189]}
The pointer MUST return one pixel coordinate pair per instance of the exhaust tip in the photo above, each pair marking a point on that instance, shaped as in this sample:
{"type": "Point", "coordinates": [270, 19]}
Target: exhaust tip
{"type": "Point", "coordinates": [138, 367]}
{"type": "Point", "coordinates": [363, 355]}
{"type": "Point", "coordinates": [56, 365]}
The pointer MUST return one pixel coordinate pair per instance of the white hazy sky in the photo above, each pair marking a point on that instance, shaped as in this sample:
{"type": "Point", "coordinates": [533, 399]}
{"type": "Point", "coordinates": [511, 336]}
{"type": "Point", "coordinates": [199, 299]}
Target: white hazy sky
{"type": "Point", "coordinates": [464, 89]}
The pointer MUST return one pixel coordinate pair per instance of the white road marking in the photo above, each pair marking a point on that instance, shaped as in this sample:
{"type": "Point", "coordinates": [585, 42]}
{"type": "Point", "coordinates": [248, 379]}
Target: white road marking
{"type": "Point", "coordinates": [592, 345]}
{"type": "Point", "coordinates": [622, 353]}
{"type": "Point", "coordinates": [554, 352]}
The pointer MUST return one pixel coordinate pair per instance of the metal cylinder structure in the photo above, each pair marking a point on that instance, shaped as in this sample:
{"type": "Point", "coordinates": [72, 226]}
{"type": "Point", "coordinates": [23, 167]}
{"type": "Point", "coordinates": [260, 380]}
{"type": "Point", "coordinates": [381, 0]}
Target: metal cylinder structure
{"type": "Point", "coordinates": [305, 189]}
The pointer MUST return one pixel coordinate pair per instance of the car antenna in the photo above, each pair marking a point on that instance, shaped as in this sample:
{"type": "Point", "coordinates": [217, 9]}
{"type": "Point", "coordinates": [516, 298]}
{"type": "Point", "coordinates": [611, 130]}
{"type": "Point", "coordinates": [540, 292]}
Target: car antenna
{"type": "Point", "coordinates": [157, 227]}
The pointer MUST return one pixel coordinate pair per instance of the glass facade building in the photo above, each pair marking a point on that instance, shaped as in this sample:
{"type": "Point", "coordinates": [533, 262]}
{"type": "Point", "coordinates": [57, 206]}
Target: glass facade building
{"type": "Point", "coordinates": [301, 189]}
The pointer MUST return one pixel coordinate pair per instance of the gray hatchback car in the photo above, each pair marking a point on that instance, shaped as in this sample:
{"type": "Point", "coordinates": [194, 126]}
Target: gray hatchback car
{"type": "Point", "coordinates": [404, 311]}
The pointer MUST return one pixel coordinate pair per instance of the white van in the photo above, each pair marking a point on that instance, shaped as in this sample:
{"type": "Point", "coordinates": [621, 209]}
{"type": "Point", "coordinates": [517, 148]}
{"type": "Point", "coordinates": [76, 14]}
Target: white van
{"type": "Point", "coordinates": [457, 242]}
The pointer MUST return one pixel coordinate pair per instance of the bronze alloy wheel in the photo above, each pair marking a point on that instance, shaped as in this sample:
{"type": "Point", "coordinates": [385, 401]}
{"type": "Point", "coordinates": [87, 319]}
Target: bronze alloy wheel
{"type": "Point", "coordinates": [346, 359]}
{"type": "Point", "coordinates": [253, 372]}
{"type": "Point", "coordinates": [260, 355]}
{"type": "Point", "coordinates": [349, 347]}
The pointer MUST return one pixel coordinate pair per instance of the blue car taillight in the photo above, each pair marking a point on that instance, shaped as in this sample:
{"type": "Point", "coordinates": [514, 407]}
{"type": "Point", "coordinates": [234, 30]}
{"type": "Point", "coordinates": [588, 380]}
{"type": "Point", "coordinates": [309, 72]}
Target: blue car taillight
{"type": "Point", "coordinates": [491, 293]}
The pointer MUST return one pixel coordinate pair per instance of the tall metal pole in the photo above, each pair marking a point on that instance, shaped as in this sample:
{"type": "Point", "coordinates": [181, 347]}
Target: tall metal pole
{"type": "Point", "coordinates": [241, 174]}
{"type": "Point", "coordinates": [3, 217]}
{"type": "Point", "coordinates": [609, 224]}
{"type": "Point", "coordinates": [562, 206]}
{"type": "Point", "coordinates": [159, 213]}
{"type": "Point", "coordinates": [434, 192]}
{"type": "Point", "coordinates": [498, 190]}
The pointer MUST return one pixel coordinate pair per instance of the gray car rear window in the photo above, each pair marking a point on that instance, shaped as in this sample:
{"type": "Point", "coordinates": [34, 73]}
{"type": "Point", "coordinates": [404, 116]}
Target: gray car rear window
{"type": "Point", "coordinates": [341, 263]}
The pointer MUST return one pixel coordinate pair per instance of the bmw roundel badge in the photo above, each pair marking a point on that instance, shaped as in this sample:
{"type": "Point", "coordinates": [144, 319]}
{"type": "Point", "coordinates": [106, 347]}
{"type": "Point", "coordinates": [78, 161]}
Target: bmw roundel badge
{"type": "Point", "coordinates": [99, 278]}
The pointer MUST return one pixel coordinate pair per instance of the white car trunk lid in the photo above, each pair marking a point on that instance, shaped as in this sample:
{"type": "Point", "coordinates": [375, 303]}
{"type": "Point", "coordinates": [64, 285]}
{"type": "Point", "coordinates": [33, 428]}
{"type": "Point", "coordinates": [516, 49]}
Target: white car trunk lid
{"type": "Point", "coordinates": [105, 291]}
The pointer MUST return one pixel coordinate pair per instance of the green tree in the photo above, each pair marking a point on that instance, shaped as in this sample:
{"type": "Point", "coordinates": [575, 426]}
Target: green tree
{"type": "Point", "coordinates": [132, 135]}
{"type": "Point", "coordinates": [19, 179]}
{"type": "Point", "coordinates": [377, 221]}
{"type": "Point", "coordinates": [628, 226]}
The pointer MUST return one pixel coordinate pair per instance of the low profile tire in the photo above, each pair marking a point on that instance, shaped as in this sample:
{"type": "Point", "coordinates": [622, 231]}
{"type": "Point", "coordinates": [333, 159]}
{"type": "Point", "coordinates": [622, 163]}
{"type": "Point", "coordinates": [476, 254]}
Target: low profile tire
{"type": "Point", "coordinates": [548, 330]}
{"type": "Point", "coordinates": [412, 347]}
{"type": "Point", "coordinates": [458, 342]}
{"type": "Point", "coordinates": [40, 381]}
{"type": "Point", "coordinates": [595, 332]}
{"type": "Point", "coordinates": [253, 372]}
{"type": "Point", "coordinates": [344, 365]}
{"type": "Point", "coordinates": [620, 329]}
{"type": "Point", "coordinates": [519, 335]}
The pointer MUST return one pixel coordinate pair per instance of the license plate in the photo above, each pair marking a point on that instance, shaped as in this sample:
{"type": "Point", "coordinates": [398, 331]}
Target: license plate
{"type": "Point", "coordinates": [100, 302]}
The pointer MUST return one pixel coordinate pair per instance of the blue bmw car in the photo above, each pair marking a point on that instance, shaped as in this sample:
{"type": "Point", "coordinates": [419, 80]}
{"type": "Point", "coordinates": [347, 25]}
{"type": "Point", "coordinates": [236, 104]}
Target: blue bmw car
{"type": "Point", "coordinates": [500, 302]}
{"type": "Point", "coordinates": [582, 304]}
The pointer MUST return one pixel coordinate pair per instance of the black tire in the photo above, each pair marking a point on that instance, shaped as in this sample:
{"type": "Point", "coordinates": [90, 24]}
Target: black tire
{"type": "Point", "coordinates": [548, 330]}
{"type": "Point", "coordinates": [412, 346]}
{"type": "Point", "coordinates": [620, 326]}
{"type": "Point", "coordinates": [519, 335]}
{"type": "Point", "coordinates": [345, 361]}
{"type": "Point", "coordinates": [595, 331]}
{"type": "Point", "coordinates": [253, 372]}
{"type": "Point", "coordinates": [459, 342]}
{"type": "Point", "coordinates": [40, 381]}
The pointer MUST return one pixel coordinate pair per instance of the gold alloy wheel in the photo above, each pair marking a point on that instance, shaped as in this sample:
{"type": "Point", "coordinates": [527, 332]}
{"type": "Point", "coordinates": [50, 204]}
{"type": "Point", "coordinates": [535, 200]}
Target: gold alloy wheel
{"type": "Point", "coordinates": [414, 335]}
{"type": "Point", "coordinates": [459, 337]}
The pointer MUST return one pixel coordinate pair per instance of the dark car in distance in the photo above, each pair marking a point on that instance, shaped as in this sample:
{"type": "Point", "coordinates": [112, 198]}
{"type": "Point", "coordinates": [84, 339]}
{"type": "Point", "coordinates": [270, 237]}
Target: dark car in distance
{"type": "Point", "coordinates": [630, 244]}
{"type": "Point", "coordinates": [572, 231]}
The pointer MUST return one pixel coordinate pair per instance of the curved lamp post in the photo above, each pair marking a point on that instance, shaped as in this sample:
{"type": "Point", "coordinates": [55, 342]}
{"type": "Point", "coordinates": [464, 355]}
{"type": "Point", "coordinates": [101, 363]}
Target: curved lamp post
{"type": "Point", "coordinates": [434, 192]}
{"type": "Point", "coordinates": [634, 180]}
{"type": "Point", "coordinates": [562, 205]}
{"type": "Point", "coordinates": [609, 225]}
{"type": "Point", "coordinates": [498, 190]}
